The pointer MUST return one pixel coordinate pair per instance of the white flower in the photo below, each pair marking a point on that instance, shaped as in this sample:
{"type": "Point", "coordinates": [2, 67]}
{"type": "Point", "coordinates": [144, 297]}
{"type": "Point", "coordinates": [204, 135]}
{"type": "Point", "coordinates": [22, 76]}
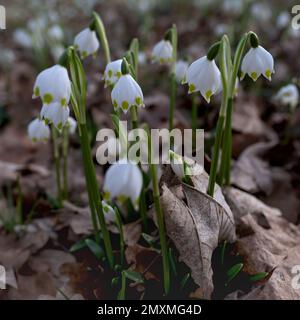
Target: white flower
{"type": "Point", "coordinates": [180, 70]}
{"type": "Point", "coordinates": [86, 42]}
{"type": "Point", "coordinates": [56, 33]}
{"type": "Point", "coordinates": [109, 212]}
{"type": "Point", "coordinates": [38, 130]}
{"type": "Point", "coordinates": [261, 11]}
{"type": "Point", "coordinates": [257, 61]}
{"type": "Point", "coordinates": [123, 180]}
{"type": "Point", "coordinates": [22, 38]}
{"type": "Point", "coordinates": [163, 52]}
{"type": "Point", "coordinates": [288, 96]}
{"type": "Point", "coordinates": [203, 75]}
{"type": "Point", "coordinates": [72, 125]}
{"type": "Point", "coordinates": [283, 20]}
{"type": "Point", "coordinates": [127, 93]}
{"type": "Point", "coordinates": [56, 114]}
{"type": "Point", "coordinates": [53, 85]}
{"type": "Point", "coordinates": [112, 72]}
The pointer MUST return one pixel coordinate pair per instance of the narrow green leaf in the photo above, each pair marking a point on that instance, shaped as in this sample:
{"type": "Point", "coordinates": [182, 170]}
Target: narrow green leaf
{"type": "Point", "coordinates": [223, 252]}
{"type": "Point", "coordinates": [234, 271]}
{"type": "Point", "coordinates": [172, 261]}
{"type": "Point", "coordinates": [78, 245]}
{"type": "Point", "coordinates": [95, 248]}
{"type": "Point", "coordinates": [184, 281]}
{"type": "Point", "coordinates": [134, 276]}
{"type": "Point", "coordinates": [259, 276]}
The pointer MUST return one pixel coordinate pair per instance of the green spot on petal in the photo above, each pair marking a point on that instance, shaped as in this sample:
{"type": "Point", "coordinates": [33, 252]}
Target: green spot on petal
{"type": "Point", "coordinates": [138, 101]}
{"type": "Point", "coordinates": [63, 102]}
{"type": "Point", "coordinates": [59, 126]}
{"type": "Point", "coordinates": [115, 104]}
{"type": "Point", "coordinates": [36, 91]}
{"type": "Point", "coordinates": [268, 74]}
{"type": "Point", "coordinates": [105, 209]}
{"type": "Point", "coordinates": [118, 74]}
{"type": "Point", "coordinates": [48, 98]}
{"type": "Point", "coordinates": [110, 73]}
{"type": "Point", "coordinates": [192, 87]}
{"type": "Point", "coordinates": [253, 75]}
{"type": "Point", "coordinates": [106, 195]}
{"type": "Point", "coordinates": [125, 105]}
{"type": "Point", "coordinates": [208, 94]}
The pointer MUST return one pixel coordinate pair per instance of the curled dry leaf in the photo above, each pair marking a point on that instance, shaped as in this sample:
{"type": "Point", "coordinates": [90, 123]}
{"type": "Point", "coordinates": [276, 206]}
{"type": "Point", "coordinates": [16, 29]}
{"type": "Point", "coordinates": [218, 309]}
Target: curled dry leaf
{"type": "Point", "coordinates": [250, 172]}
{"type": "Point", "coordinates": [268, 243]}
{"type": "Point", "coordinates": [197, 226]}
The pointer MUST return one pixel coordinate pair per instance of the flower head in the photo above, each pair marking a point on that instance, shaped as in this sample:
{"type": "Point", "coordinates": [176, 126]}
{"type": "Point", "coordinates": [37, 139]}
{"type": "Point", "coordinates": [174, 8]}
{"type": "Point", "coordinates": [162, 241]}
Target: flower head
{"type": "Point", "coordinates": [162, 52]}
{"type": "Point", "coordinates": [257, 61]}
{"type": "Point", "coordinates": [109, 212]}
{"type": "Point", "coordinates": [126, 94]}
{"type": "Point", "coordinates": [56, 114]}
{"type": "Point", "coordinates": [71, 125]}
{"type": "Point", "coordinates": [38, 130]}
{"type": "Point", "coordinates": [53, 85]}
{"type": "Point", "coordinates": [203, 75]}
{"type": "Point", "coordinates": [112, 72]}
{"type": "Point", "coordinates": [123, 180]}
{"type": "Point", "coordinates": [288, 96]}
{"type": "Point", "coordinates": [86, 42]}
{"type": "Point", "coordinates": [180, 70]}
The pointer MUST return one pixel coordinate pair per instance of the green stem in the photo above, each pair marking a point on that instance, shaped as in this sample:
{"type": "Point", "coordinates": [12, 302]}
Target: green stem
{"type": "Point", "coordinates": [160, 220]}
{"type": "Point", "coordinates": [134, 117]}
{"type": "Point", "coordinates": [65, 161]}
{"type": "Point", "coordinates": [100, 29]}
{"type": "Point", "coordinates": [56, 155]}
{"type": "Point", "coordinates": [94, 194]}
{"type": "Point", "coordinates": [194, 121]}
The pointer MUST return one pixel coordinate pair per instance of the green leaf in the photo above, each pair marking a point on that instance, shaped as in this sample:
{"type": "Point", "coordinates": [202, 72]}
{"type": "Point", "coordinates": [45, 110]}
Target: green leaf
{"type": "Point", "coordinates": [223, 251]}
{"type": "Point", "coordinates": [172, 261]}
{"type": "Point", "coordinates": [78, 245]}
{"type": "Point", "coordinates": [234, 271]}
{"type": "Point", "coordinates": [95, 248]}
{"type": "Point", "coordinates": [134, 276]}
{"type": "Point", "coordinates": [259, 276]}
{"type": "Point", "coordinates": [184, 280]}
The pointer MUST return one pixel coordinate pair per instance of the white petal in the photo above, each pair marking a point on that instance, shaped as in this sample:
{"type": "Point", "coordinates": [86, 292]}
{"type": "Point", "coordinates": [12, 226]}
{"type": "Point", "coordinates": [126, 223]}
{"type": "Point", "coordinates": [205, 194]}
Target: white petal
{"type": "Point", "coordinates": [86, 41]}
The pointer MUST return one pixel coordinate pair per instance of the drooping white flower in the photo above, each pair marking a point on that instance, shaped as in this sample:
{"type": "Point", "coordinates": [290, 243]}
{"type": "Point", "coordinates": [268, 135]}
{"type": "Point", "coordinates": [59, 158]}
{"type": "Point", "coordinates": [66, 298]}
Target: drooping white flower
{"type": "Point", "coordinates": [162, 52]}
{"type": "Point", "coordinates": [288, 96]}
{"type": "Point", "coordinates": [112, 72]}
{"type": "Point", "coordinates": [203, 75]}
{"type": "Point", "coordinates": [123, 180]}
{"type": "Point", "coordinates": [180, 70]}
{"type": "Point", "coordinates": [257, 61]}
{"type": "Point", "coordinates": [38, 130]}
{"type": "Point", "coordinates": [53, 85]}
{"type": "Point", "coordinates": [126, 94]}
{"type": "Point", "coordinates": [109, 212]}
{"type": "Point", "coordinates": [71, 125]}
{"type": "Point", "coordinates": [55, 113]}
{"type": "Point", "coordinates": [86, 42]}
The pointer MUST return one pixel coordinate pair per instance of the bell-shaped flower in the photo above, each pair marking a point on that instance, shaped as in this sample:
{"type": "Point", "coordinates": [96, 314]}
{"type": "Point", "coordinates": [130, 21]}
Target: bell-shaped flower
{"type": "Point", "coordinates": [288, 96]}
{"type": "Point", "coordinates": [203, 75]}
{"type": "Point", "coordinates": [86, 42]}
{"type": "Point", "coordinates": [71, 125]}
{"type": "Point", "coordinates": [53, 85]}
{"type": "Point", "coordinates": [123, 180]}
{"type": "Point", "coordinates": [38, 130]}
{"type": "Point", "coordinates": [257, 61]}
{"type": "Point", "coordinates": [180, 70]}
{"type": "Point", "coordinates": [109, 212]}
{"type": "Point", "coordinates": [126, 94]}
{"type": "Point", "coordinates": [162, 52]}
{"type": "Point", "coordinates": [112, 72]}
{"type": "Point", "coordinates": [56, 114]}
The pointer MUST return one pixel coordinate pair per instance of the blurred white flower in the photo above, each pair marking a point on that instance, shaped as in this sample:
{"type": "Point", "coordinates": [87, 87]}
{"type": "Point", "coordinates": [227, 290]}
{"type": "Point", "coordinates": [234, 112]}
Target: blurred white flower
{"type": "Point", "coordinates": [22, 38]}
{"type": "Point", "coordinates": [203, 75]}
{"type": "Point", "coordinates": [142, 58]}
{"type": "Point", "coordinates": [123, 180]}
{"type": "Point", "coordinates": [288, 96]}
{"type": "Point", "coordinates": [283, 20]}
{"type": "Point", "coordinates": [257, 61]}
{"type": "Point", "coordinates": [109, 212]}
{"type": "Point", "coordinates": [221, 29]}
{"type": "Point", "coordinates": [55, 113]}
{"type": "Point", "coordinates": [261, 11]}
{"type": "Point", "coordinates": [112, 72]}
{"type": "Point", "coordinates": [232, 6]}
{"type": "Point", "coordinates": [162, 52]}
{"type": "Point", "coordinates": [180, 70]}
{"type": "Point", "coordinates": [57, 51]}
{"type": "Point", "coordinates": [38, 130]}
{"type": "Point", "coordinates": [86, 42]}
{"type": "Point", "coordinates": [71, 125]}
{"type": "Point", "coordinates": [126, 94]}
{"type": "Point", "coordinates": [56, 33]}
{"type": "Point", "coordinates": [53, 85]}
